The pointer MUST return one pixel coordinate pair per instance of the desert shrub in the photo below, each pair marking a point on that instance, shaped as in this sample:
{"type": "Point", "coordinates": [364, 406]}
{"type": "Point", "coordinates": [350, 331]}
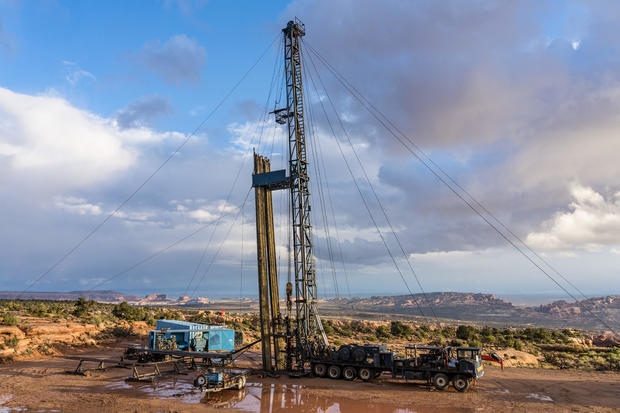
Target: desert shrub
{"type": "Point", "coordinates": [128, 312]}
{"type": "Point", "coordinates": [12, 341]}
{"type": "Point", "coordinates": [120, 331]}
{"type": "Point", "coordinates": [465, 332]}
{"type": "Point", "coordinates": [439, 341]}
{"type": "Point", "coordinates": [10, 320]}
{"type": "Point", "coordinates": [43, 348]}
{"type": "Point", "coordinates": [399, 329]}
{"type": "Point", "coordinates": [537, 335]}
{"type": "Point", "coordinates": [382, 332]}
{"type": "Point", "coordinates": [361, 327]}
{"type": "Point", "coordinates": [38, 309]}
{"type": "Point", "coordinates": [474, 343]}
{"type": "Point", "coordinates": [328, 326]}
{"type": "Point", "coordinates": [169, 314]}
{"type": "Point", "coordinates": [456, 343]}
{"type": "Point", "coordinates": [422, 331]}
{"type": "Point", "coordinates": [97, 320]}
{"type": "Point", "coordinates": [344, 329]}
{"type": "Point", "coordinates": [517, 345]}
{"type": "Point", "coordinates": [488, 335]}
{"type": "Point", "coordinates": [83, 307]}
{"type": "Point", "coordinates": [447, 332]}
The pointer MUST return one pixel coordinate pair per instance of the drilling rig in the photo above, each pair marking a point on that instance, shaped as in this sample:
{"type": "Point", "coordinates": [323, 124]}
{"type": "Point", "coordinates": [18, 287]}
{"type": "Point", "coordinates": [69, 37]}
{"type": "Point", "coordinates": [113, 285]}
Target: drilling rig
{"type": "Point", "coordinates": [301, 334]}
{"type": "Point", "coordinates": [302, 331]}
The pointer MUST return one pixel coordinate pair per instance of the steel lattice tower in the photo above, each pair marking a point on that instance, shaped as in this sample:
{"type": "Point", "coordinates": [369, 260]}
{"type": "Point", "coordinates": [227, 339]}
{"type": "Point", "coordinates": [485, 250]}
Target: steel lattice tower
{"type": "Point", "coordinates": [309, 335]}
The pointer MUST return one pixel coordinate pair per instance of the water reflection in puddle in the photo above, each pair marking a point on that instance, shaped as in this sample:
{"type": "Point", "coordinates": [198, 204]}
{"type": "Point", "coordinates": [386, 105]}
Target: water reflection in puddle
{"type": "Point", "coordinates": [276, 398]}
{"type": "Point", "coordinates": [273, 398]}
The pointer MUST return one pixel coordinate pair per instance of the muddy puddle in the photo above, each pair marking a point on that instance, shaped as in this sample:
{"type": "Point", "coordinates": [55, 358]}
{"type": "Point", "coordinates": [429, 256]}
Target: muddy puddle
{"type": "Point", "coordinates": [274, 398]}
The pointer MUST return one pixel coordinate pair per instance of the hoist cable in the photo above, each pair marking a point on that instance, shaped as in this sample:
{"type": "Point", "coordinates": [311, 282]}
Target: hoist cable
{"type": "Point", "coordinates": [374, 192]}
{"type": "Point", "coordinates": [439, 176]}
{"type": "Point", "coordinates": [372, 218]}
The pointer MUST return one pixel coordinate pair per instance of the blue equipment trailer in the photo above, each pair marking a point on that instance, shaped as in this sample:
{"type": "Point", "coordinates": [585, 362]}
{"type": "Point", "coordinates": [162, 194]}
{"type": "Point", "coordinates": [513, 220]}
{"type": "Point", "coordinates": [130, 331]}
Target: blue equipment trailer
{"type": "Point", "coordinates": [174, 339]}
{"type": "Point", "coordinates": [186, 336]}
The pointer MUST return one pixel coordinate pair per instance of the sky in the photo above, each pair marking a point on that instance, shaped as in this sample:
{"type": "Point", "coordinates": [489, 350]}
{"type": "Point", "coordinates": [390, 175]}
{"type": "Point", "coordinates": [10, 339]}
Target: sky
{"type": "Point", "coordinates": [519, 102]}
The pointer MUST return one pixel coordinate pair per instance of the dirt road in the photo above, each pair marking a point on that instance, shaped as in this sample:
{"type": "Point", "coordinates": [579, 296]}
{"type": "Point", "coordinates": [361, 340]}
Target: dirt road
{"type": "Point", "coordinates": [43, 385]}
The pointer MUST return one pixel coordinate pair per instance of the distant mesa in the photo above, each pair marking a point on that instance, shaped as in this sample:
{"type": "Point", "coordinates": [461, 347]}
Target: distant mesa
{"type": "Point", "coordinates": [102, 296]}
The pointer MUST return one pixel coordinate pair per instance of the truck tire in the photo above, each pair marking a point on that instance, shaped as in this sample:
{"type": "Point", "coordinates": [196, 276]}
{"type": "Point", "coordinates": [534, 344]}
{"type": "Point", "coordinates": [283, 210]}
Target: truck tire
{"type": "Point", "coordinates": [239, 384]}
{"type": "Point", "coordinates": [365, 374]}
{"type": "Point", "coordinates": [320, 370]}
{"type": "Point", "coordinates": [333, 372]}
{"type": "Point", "coordinates": [460, 383]}
{"type": "Point", "coordinates": [200, 381]}
{"type": "Point", "coordinates": [349, 373]}
{"type": "Point", "coordinates": [440, 381]}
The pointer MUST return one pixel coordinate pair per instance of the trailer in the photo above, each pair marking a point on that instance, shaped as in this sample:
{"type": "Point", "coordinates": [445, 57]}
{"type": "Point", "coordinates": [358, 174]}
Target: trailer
{"type": "Point", "coordinates": [173, 339]}
{"type": "Point", "coordinates": [438, 366]}
{"type": "Point", "coordinates": [183, 335]}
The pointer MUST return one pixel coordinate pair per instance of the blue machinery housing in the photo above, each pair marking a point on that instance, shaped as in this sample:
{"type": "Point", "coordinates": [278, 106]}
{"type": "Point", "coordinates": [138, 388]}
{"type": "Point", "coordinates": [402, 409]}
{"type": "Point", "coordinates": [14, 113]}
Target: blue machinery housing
{"type": "Point", "coordinates": [193, 336]}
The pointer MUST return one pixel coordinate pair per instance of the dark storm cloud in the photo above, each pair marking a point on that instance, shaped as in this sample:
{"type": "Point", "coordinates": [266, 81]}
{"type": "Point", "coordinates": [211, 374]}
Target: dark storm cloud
{"type": "Point", "coordinates": [524, 95]}
{"type": "Point", "coordinates": [178, 60]}
{"type": "Point", "coordinates": [142, 111]}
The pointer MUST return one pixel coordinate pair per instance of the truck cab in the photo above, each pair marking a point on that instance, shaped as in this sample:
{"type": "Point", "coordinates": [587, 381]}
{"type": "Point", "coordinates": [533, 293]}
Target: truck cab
{"type": "Point", "coordinates": [469, 361]}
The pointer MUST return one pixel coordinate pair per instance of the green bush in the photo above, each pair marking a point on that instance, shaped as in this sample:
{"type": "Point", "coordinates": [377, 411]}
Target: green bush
{"type": "Point", "coordinates": [466, 332]}
{"type": "Point", "coordinates": [328, 327]}
{"type": "Point", "coordinates": [10, 320]}
{"type": "Point", "coordinates": [399, 329]}
{"type": "Point", "coordinates": [12, 342]}
{"type": "Point", "coordinates": [382, 332]}
{"type": "Point", "coordinates": [83, 307]}
{"type": "Point", "coordinates": [120, 331]}
{"type": "Point", "coordinates": [128, 312]}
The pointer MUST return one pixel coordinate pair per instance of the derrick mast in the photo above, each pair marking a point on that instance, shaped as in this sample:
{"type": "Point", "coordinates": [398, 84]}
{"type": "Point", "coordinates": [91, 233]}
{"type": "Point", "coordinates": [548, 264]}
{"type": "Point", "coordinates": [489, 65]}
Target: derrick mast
{"type": "Point", "coordinates": [310, 339]}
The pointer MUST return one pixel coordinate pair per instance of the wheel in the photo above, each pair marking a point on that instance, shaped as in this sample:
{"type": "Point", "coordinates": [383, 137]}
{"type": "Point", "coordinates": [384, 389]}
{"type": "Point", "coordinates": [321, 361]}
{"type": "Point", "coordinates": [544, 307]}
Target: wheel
{"type": "Point", "coordinates": [200, 381]}
{"type": "Point", "coordinates": [320, 370]}
{"type": "Point", "coordinates": [239, 385]}
{"type": "Point", "coordinates": [349, 373]}
{"type": "Point", "coordinates": [460, 383]}
{"type": "Point", "coordinates": [440, 381]}
{"type": "Point", "coordinates": [359, 354]}
{"type": "Point", "coordinates": [365, 373]}
{"type": "Point", "coordinates": [333, 372]}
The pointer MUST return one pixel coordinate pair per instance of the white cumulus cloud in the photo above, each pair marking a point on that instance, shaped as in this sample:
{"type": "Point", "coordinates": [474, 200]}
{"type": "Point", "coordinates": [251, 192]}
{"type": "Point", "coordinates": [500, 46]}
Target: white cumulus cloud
{"type": "Point", "coordinates": [45, 138]}
{"type": "Point", "coordinates": [592, 222]}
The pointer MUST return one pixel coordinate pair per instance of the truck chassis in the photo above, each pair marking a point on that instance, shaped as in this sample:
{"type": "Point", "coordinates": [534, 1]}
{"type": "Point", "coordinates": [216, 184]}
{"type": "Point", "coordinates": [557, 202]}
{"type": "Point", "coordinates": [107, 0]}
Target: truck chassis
{"type": "Point", "coordinates": [435, 365]}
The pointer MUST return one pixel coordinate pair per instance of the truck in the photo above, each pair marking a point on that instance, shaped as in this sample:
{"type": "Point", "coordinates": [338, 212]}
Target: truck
{"type": "Point", "coordinates": [438, 366]}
